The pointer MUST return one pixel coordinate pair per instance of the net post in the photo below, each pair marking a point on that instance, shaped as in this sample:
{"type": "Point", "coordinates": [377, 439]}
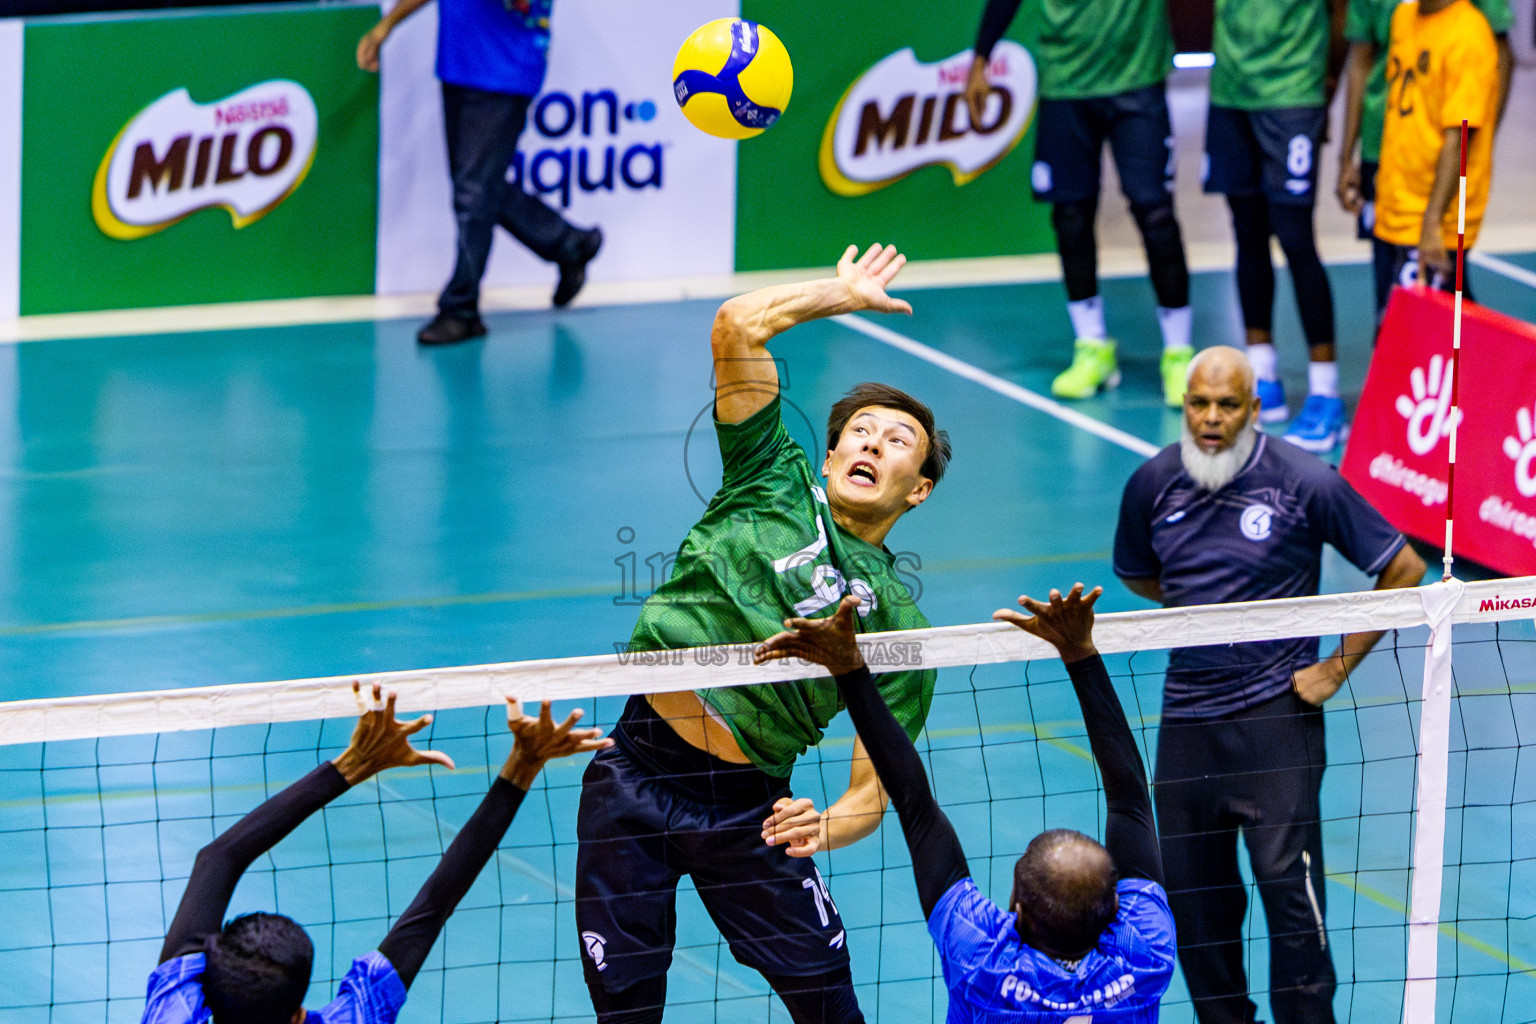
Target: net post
{"type": "Point", "coordinates": [1455, 414]}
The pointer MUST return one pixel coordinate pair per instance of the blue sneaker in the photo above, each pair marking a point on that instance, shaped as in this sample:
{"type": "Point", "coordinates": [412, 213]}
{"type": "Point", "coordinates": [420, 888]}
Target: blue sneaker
{"type": "Point", "coordinates": [1271, 401]}
{"type": "Point", "coordinates": [1320, 426]}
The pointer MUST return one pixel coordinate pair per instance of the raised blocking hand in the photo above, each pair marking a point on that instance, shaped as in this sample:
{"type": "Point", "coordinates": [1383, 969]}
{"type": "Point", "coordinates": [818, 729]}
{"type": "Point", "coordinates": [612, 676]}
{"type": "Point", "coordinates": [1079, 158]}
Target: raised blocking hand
{"type": "Point", "coordinates": [831, 642]}
{"type": "Point", "coordinates": [1066, 623]}
{"type": "Point", "coordinates": [539, 740]}
{"type": "Point", "coordinates": [380, 741]}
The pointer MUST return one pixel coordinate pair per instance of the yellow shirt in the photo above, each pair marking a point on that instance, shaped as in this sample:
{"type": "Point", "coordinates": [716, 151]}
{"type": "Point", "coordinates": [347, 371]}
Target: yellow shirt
{"type": "Point", "coordinates": [1441, 68]}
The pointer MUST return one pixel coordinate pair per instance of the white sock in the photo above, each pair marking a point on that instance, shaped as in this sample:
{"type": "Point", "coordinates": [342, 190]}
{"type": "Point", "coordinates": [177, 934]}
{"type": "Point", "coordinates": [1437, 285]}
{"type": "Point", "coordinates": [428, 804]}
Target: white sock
{"type": "Point", "coordinates": [1175, 325]}
{"type": "Point", "coordinates": [1088, 317]}
{"type": "Point", "coordinates": [1323, 379]}
{"type": "Point", "coordinates": [1262, 356]}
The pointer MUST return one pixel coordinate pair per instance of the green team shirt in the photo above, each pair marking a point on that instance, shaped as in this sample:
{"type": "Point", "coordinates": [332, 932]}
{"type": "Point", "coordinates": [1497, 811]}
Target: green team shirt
{"type": "Point", "coordinates": [1093, 48]}
{"type": "Point", "coordinates": [766, 549]}
{"type": "Point", "coordinates": [1370, 21]}
{"type": "Point", "coordinates": [1270, 54]}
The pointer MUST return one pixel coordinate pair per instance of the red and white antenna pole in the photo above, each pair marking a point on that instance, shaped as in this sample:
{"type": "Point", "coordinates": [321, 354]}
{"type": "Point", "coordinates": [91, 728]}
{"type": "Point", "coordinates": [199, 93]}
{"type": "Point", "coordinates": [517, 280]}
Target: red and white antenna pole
{"type": "Point", "coordinates": [1461, 260]}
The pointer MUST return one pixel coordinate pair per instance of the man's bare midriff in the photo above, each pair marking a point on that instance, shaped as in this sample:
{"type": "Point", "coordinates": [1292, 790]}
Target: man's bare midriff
{"type": "Point", "coordinates": [685, 713]}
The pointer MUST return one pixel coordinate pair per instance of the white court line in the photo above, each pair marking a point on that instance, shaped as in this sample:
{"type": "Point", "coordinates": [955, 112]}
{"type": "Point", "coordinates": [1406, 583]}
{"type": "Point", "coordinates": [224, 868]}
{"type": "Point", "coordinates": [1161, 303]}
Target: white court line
{"type": "Point", "coordinates": [991, 382]}
{"type": "Point", "coordinates": [1508, 269]}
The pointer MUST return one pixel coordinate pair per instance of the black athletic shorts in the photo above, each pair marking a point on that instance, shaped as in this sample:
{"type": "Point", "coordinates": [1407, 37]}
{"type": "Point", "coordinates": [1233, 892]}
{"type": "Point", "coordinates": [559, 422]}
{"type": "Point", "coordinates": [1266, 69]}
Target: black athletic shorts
{"type": "Point", "coordinates": [654, 809]}
{"type": "Point", "coordinates": [1365, 221]}
{"type": "Point", "coordinates": [1069, 146]}
{"type": "Point", "coordinates": [1270, 151]}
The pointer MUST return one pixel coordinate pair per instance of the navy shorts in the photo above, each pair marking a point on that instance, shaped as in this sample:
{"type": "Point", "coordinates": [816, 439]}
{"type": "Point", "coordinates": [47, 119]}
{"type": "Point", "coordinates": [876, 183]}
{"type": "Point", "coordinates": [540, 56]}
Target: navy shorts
{"type": "Point", "coordinates": [1270, 151]}
{"type": "Point", "coordinates": [642, 827]}
{"type": "Point", "coordinates": [1397, 266]}
{"type": "Point", "coordinates": [1069, 146]}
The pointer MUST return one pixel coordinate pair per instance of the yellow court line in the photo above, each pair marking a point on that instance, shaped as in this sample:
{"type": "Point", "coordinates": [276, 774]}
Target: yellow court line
{"type": "Point", "coordinates": [450, 600]}
{"type": "Point", "coordinates": [345, 608]}
{"type": "Point", "coordinates": [1450, 931]}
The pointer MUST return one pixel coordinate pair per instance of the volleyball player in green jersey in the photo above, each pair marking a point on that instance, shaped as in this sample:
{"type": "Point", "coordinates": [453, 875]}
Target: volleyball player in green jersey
{"type": "Point", "coordinates": [1102, 66]}
{"type": "Point", "coordinates": [697, 783]}
{"type": "Point", "coordinates": [1267, 115]}
{"type": "Point", "coordinates": [1369, 29]}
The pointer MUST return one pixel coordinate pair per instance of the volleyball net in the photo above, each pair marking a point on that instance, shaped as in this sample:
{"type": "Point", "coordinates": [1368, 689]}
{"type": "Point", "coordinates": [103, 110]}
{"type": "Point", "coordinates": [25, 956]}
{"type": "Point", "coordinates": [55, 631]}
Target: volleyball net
{"type": "Point", "coordinates": [1429, 803]}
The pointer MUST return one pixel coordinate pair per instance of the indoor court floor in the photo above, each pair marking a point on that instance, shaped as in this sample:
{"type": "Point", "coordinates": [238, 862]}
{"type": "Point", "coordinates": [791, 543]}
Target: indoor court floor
{"type": "Point", "coordinates": [288, 502]}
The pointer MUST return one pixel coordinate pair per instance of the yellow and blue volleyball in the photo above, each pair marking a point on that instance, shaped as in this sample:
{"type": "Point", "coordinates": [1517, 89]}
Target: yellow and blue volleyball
{"type": "Point", "coordinates": [732, 78]}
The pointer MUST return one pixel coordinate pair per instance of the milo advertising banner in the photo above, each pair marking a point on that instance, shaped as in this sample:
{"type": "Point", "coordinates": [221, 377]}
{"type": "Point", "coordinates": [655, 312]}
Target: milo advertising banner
{"type": "Point", "coordinates": [878, 143]}
{"type": "Point", "coordinates": [202, 158]}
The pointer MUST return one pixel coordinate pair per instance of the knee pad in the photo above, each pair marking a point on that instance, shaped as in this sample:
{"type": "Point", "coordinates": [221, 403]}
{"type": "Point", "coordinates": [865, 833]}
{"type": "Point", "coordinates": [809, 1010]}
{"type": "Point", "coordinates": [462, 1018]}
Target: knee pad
{"type": "Point", "coordinates": [1293, 229]}
{"type": "Point", "coordinates": [1165, 252]}
{"type": "Point", "coordinates": [1074, 221]}
{"type": "Point", "coordinates": [1250, 220]}
{"type": "Point", "coordinates": [1155, 218]}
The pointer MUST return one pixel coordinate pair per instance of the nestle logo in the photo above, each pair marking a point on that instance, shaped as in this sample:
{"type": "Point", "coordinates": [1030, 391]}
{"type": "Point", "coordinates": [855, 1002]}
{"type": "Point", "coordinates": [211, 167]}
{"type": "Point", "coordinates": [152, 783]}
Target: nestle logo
{"type": "Point", "coordinates": [245, 153]}
{"type": "Point", "coordinates": [902, 114]}
{"type": "Point", "coordinates": [1504, 604]}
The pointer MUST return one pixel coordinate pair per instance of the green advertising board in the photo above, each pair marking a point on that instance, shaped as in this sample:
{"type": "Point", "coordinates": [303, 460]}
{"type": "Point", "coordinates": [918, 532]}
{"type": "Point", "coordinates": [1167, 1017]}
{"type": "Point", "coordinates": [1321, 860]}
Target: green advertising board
{"type": "Point", "coordinates": [207, 157]}
{"type": "Point", "coordinates": [876, 144]}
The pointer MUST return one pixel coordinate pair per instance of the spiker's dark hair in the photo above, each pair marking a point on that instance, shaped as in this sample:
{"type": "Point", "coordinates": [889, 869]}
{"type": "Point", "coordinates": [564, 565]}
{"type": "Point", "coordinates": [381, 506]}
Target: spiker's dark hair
{"type": "Point", "coordinates": [862, 396]}
{"type": "Point", "coordinates": [1065, 885]}
{"type": "Point", "coordinates": [258, 970]}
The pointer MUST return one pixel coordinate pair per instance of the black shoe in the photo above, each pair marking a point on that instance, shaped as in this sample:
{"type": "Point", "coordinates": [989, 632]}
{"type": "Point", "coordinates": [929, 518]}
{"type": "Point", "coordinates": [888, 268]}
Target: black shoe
{"type": "Point", "coordinates": [573, 267]}
{"type": "Point", "coordinates": [448, 329]}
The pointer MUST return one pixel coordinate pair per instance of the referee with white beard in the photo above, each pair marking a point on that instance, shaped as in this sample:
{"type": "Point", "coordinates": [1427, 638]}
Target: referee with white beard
{"type": "Point", "coordinates": [1230, 514]}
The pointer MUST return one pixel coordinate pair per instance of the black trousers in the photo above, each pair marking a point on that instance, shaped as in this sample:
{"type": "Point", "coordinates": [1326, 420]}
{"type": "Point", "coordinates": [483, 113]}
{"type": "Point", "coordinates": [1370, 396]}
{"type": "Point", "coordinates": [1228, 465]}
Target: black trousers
{"type": "Point", "coordinates": [1258, 773]}
{"type": "Point", "coordinates": [482, 130]}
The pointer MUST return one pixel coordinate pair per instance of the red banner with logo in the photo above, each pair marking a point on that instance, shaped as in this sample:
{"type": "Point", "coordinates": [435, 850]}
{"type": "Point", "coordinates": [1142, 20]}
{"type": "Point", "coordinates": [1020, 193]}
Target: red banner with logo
{"type": "Point", "coordinates": [1399, 451]}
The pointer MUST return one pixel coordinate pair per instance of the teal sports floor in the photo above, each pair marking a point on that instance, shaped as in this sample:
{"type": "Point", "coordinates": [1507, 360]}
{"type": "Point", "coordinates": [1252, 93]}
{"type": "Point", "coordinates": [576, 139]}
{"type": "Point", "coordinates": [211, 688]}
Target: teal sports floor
{"type": "Point", "coordinates": [272, 503]}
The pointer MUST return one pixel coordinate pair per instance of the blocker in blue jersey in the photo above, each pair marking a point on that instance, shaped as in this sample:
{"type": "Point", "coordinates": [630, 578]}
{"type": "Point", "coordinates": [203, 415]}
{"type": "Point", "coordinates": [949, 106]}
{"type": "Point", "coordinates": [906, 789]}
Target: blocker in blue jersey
{"type": "Point", "coordinates": [255, 969]}
{"type": "Point", "coordinates": [1089, 935]}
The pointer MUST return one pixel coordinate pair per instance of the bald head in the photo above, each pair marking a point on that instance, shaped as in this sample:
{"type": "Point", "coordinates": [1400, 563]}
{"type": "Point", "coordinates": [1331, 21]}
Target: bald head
{"type": "Point", "coordinates": [1064, 893]}
{"type": "Point", "coordinates": [1219, 400]}
{"type": "Point", "coordinates": [1221, 363]}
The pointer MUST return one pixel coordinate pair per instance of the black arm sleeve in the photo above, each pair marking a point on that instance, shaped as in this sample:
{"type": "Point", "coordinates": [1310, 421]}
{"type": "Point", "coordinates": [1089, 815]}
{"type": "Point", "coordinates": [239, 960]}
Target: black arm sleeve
{"type": "Point", "coordinates": [994, 22]}
{"type": "Point", "coordinates": [220, 864]}
{"type": "Point", "coordinates": [937, 859]}
{"type": "Point", "coordinates": [1130, 834]}
{"type": "Point", "coordinates": [410, 940]}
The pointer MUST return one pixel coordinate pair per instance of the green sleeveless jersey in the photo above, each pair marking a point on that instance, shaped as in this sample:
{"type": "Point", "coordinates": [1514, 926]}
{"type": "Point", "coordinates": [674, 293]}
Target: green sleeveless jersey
{"type": "Point", "coordinates": [1092, 48]}
{"type": "Point", "coordinates": [1370, 21]}
{"type": "Point", "coordinates": [766, 549]}
{"type": "Point", "coordinates": [1270, 54]}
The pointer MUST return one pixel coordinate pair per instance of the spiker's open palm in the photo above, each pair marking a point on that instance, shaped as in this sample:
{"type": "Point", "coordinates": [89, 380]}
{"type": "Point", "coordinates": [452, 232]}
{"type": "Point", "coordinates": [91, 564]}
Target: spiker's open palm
{"type": "Point", "coordinates": [869, 275]}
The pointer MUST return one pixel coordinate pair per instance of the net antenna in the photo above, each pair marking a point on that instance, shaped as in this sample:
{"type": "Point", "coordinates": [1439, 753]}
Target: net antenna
{"type": "Point", "coordinates": [1455, 414]}
{"type": "Point", "coordinates": [1428, 871]}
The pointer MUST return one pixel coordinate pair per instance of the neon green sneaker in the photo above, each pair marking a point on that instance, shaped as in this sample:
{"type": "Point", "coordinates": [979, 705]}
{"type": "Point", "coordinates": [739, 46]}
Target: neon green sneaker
{"type": "Point", "coordinates": [1176, 374]}
{"type": "Point", "coordinates": [1093, 367]}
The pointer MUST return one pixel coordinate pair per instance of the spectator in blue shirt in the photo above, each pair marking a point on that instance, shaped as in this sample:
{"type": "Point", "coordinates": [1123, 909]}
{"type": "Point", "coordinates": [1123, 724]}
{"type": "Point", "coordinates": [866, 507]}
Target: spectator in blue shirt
{"type": "Point", "coordinates": [491, 58]}
{"type": "Point", "coordinates": [1089, 934]}
{"type": "Point", "coordinates": [255, 969]}
{"type": "Point", "coordinates": [1229, 514]}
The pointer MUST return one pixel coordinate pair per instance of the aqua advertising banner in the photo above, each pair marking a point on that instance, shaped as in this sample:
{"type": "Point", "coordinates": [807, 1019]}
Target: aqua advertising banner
{"type": "Point", "coordinates": [208, 157]}
{"type": "Point", "coordinates": [605, 144]}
